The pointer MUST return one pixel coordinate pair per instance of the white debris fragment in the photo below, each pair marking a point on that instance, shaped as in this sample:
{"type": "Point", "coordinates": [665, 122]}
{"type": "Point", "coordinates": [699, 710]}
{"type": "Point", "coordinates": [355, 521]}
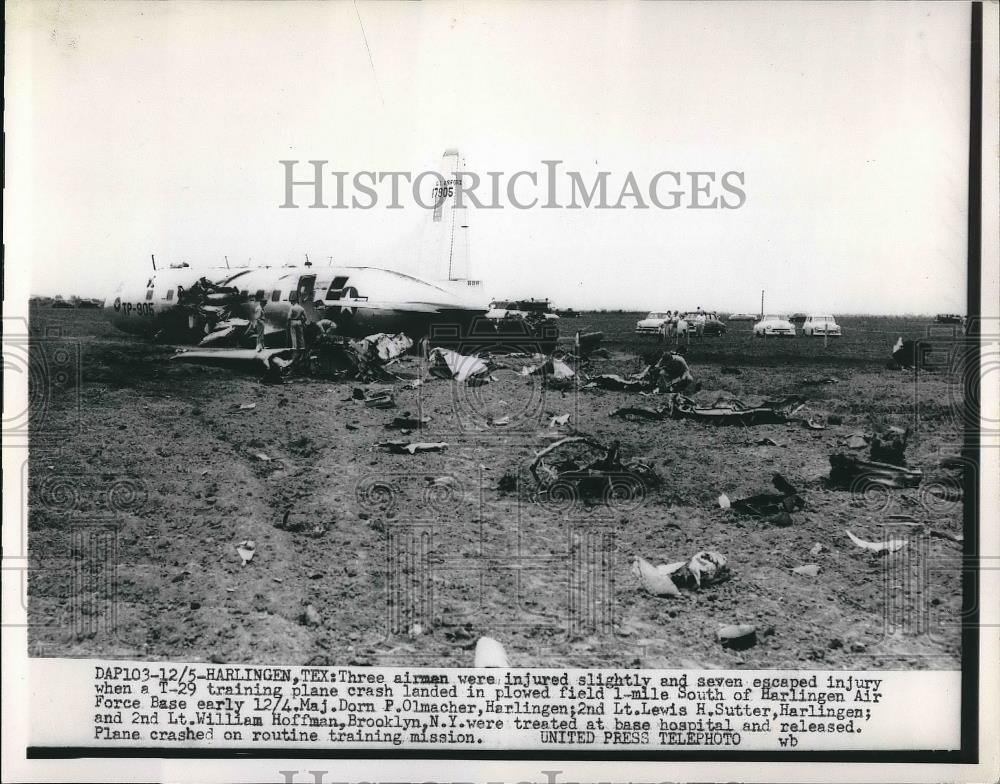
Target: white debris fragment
{"type": "Point", "coordinates": [889, 546]}
{"type": "Point", "coordinates": [708, 567]}
{"type": "Point", "coordinates": [656, 580]}
{"type": "Point", "coordinates": [246, 550]}
{"type": "Point", "coordinates": [490, 653]}
{"type": "Point", "coordinates": [450, 364]}
{"type": "Point", "coordinates": [399, 447]}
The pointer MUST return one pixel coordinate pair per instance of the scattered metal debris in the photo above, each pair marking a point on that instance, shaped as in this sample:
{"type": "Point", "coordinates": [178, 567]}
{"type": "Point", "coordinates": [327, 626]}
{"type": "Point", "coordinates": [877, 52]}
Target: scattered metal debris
{"type": "Point", "coordinates": [857, 441]}
{"type": "Point", "coordinates": [889, 446]}
{"type": "Point", "coordinates": [380, 400]}
{"type": "Point", "coordinates": [591, 469]}
{"type": "Point", "coordinates": [449, 364]}
{"type": "Point", "coordinates": [407, 422]}
{"type": "Point", "coordinates": [770, 505]}
{"type": "Point", "coordinates": [657, 580]}
{"type": "Point", "coordinates": [382, 348]}
{"type": "Point", "coordinates": [490, 653]}
{"type": "Point", "coordinates": [850, 473]}
{"type": "Point", "coordinates": [246, 550]}
{"type": "Point", "coordinates": [549, 367]}
{"type": "Point", "coordinates": [737, 637]}
{"type": "Point", "coordinates": [638, 412]}
{"type": "Point", "coordinates": [614, 382]}
{"type": "Point", "coordinates": [956, 538]}
{"type": "Point", "coordinates": [735, 412]}
{"type": "Point", "coordinates": [705, 568]}
{"type": "Point", "coordinates": [403, 447]}
{"type": "Point", "coordinates": [888, 546]}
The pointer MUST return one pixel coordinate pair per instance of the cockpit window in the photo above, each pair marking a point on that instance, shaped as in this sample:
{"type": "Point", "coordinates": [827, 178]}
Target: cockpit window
{"type": "Point", "coordinates": [275, 295]}
{"type": "Point", "coordinates": [170, 295]}
{"type": "Point", "coordinates": [149, 293]}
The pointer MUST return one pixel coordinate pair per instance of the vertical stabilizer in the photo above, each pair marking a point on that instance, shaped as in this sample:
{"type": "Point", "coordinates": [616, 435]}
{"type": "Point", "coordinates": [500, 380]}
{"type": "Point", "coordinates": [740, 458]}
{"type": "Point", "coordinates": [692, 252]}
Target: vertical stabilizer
{"type": "Point", "coordinates": [445, 249]}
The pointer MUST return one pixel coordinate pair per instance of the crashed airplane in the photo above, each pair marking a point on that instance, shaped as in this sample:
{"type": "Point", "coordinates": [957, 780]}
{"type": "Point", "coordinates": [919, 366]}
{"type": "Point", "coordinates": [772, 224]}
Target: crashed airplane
{"type": "Point", "coordinates": [213, 308]}
{"type": "Point", "coordinates": [185, 305]}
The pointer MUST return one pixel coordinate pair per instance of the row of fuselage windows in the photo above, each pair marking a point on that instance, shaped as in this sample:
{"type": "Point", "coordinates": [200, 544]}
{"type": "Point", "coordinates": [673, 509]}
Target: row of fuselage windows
{"type": "Point", "coordinates": [275, 295]}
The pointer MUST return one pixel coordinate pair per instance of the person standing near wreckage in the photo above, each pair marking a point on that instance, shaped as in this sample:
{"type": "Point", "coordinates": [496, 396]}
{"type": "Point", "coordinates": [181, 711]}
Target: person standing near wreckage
{"type": "Point", "coordinates": [667, 328]}
{"type": "Point", "coordinates": [681, 328]}
{"type": "Point", "coordinates": [699, 323]}
{"type": "Point", "coordinates": [297, 326]}
{"type": "Point", "coordinates": [257, 321]}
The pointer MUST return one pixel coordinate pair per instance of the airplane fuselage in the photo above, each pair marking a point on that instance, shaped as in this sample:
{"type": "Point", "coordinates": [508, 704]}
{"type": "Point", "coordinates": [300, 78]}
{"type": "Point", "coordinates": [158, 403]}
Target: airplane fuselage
{"type": "Point", "coordinates": [360, 300]}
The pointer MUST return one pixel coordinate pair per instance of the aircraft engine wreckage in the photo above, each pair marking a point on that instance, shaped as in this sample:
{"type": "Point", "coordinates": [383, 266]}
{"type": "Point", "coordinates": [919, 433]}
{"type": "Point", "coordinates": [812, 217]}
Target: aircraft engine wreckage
{"type": "Point", "coordinates": [581, 467]}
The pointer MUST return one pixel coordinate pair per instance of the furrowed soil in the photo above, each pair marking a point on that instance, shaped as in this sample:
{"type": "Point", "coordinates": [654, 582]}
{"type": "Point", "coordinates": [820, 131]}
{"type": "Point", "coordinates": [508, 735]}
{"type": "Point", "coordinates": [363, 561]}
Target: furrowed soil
{"type": "Point", "coordinates": [145, 474]}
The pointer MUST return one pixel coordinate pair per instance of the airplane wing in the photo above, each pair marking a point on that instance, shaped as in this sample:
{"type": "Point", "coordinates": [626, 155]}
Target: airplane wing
{"type": "Point", "coordinates": [370, 304]}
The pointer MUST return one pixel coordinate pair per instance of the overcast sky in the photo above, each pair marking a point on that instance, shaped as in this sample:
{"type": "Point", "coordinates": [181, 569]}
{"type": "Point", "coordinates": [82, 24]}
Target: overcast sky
{"type": "Point", "coordinates": [157, 128]}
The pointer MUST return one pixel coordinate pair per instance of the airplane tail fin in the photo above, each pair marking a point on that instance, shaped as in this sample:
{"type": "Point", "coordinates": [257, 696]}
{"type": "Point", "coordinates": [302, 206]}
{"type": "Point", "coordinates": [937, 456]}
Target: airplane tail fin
{"type": "Point", "coordinates": [445, 250]}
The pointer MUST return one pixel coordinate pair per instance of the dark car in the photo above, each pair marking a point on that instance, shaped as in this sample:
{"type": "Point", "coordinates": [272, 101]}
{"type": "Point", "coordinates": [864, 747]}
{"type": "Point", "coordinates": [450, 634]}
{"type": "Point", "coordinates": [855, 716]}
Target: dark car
{"type": "Point", "coordinates": [713, 325]}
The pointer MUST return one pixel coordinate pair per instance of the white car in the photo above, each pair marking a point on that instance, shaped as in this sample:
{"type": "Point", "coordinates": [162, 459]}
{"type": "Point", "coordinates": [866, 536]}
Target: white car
{"type": "Point", "coordinates": [652, 324]}
{"type": "Point", "coordinates": [778, 326]}
{"type": "Point", "coordinates": [498, 314]}
{"type": "Point", "coordinates": [821, 325]}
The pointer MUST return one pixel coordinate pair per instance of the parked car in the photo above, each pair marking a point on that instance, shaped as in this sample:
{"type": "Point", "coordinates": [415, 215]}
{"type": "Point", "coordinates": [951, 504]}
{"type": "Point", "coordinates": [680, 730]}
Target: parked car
{"type": "Point", "coordinates": [949, 318]}
{"type": "Point", "coordinates": [798, 319]}
{"type": "Point", "coordinates": [713, 326]}
{"type": "Point", "coordinates": [778, 326]}
{"type": "Point", "coordinates": [652, 324]}
{"type": "Point", "coordinates": [743, 317]}
{"type": "Point", "coordinates": [821, 325]}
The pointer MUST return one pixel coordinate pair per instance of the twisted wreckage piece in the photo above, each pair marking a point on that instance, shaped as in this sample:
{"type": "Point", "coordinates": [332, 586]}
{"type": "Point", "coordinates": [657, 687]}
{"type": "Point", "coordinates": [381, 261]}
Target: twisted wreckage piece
{"type": "Point", "coordinates": [785, 501]}
{"type": "Point", "coordinates": [735, 412]}
{"type": "Point", "coordinates": [849, 473]}
{"type": "Point", "coordinates": [731, 412]}
{"type": "Point", "coordinates": [604, 476]}
{"type": "Point", "coordinates": [332, 356]}
{"type": "Point", "coordinates": [670, 373]}
{"type": "Point", "coordinates": [705, 568]}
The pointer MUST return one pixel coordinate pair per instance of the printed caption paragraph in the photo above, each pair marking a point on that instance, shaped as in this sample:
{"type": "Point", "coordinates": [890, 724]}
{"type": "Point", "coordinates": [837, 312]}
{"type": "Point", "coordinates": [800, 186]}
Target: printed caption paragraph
{"type": "Point", "coordinates": [238, 706]}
